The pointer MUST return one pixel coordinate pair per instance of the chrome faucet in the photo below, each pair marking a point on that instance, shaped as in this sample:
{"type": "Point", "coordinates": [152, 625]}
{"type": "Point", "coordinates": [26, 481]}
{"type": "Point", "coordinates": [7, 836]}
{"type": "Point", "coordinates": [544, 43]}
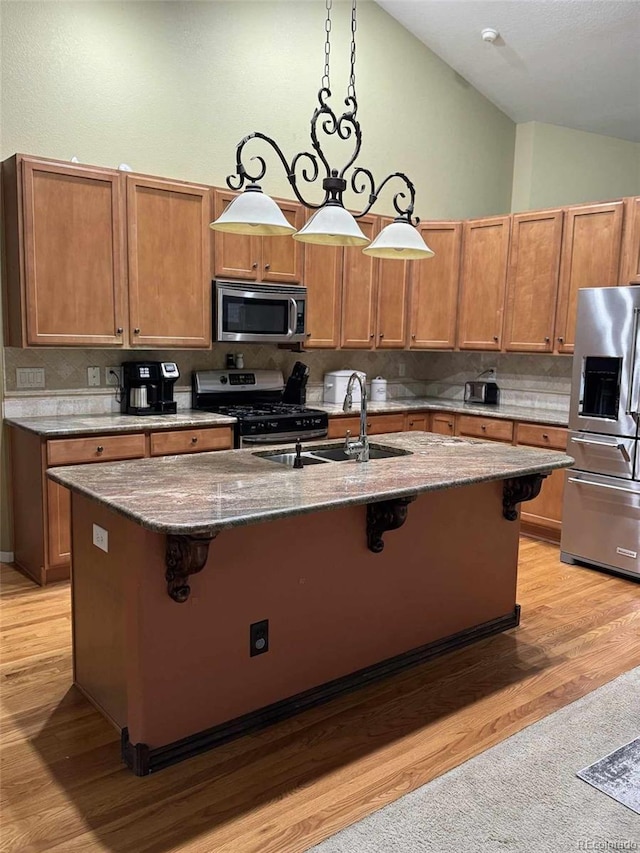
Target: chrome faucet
{"type": "Point", "coordinates": [357, 447]}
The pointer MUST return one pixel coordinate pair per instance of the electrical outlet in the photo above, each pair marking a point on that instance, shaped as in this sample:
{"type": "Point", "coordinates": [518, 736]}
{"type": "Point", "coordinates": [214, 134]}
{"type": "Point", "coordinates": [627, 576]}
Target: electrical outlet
{"type": "Point", "coordinates": [402, 369]}
{"type": "Point", "coordinates": [492, 374]}
{"type": "Point", "coordinates": [259, 638]}
{"type": "Point", "coordinates": [113, 375]}
{"type": "Point", "coordinates": [93, 376]}
{"type": "Point", "coordinates": [101, 538]}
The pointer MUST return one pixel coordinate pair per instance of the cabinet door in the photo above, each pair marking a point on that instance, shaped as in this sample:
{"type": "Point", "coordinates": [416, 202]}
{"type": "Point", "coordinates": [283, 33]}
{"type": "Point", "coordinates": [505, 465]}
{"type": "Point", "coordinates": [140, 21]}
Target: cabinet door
{"type": "Point", "coordinates": [169, 252]}
{"type": "Point", "coordinates": [630, 264]}
{"type": "Point", "coordinates": [235, 255]}
{"type": "Point", "coordinates": [359, 281]}
{"type": "Point", "coordinates": [543, 515]}
{"type": "Point", "coordinates": [73, 254]}
{"type": "Point", "coordinates": [323, 280]}
{"type": "Point", "coordinates": [485, 249]}
{"type": "Point", "coordinates": [443, 423]}
{"type": "Point", "coordinates": [532, 281]}
{"type": "Point", "coordinates": [590, 258]}
{"type": "Point", "coordinates": [418, 421]}
{"type": "Point", "coordinates": [434, 288]}
{"type": "Point", "coordinates": [489, 428]}
{"type": "Point", "coordinates": [392, 301]}
{"type": "Point", "coordinates": [58, 524]}
{"type": "Point", "coordinates": [282, 257]}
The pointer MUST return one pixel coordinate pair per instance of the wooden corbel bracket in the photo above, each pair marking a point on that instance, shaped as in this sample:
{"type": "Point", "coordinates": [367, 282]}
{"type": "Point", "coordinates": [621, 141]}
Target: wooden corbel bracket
{"type": "Point", "coordinates": [383, 516]}
{"type": "Point", "coordinates": [517, 490]}
{"type": "Point", "coordinates": [186, 555]}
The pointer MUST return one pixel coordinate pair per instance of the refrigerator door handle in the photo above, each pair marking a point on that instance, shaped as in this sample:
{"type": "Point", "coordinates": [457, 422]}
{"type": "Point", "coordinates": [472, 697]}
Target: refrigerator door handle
{"type": "Point", "coordinates": [603, 486]}
{"type": "Point", "coordinates": [632, 363]}
{"type": "Point", "coordinates": [617, 445]}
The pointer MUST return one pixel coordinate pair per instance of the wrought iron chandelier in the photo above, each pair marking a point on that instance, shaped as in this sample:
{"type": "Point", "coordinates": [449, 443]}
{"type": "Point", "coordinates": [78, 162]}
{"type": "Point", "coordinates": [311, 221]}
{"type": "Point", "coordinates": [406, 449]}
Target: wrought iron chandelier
{"type": "Point", "coordinates": [253, 212]}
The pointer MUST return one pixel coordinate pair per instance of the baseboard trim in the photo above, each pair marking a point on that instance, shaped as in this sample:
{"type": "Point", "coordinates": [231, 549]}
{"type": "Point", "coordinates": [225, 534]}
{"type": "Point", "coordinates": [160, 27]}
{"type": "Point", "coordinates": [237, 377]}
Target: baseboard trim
{"type": "Point", "coordinates": [142, 760]}
{"type": "Point", "coordinates": [6, 556]}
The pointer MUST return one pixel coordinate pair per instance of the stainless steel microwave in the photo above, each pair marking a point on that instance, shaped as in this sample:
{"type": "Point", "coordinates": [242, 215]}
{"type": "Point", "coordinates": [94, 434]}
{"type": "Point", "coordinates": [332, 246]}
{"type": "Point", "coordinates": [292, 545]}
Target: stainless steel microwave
{"type": "Point", "coordinates": [259, 313]}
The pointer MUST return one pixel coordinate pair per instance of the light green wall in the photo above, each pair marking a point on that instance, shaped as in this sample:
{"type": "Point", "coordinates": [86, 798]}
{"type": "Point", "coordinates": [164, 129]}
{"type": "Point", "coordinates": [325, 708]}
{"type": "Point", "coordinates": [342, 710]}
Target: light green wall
{"type": "Point", "coordinates": [557, 165]}
{"type": "Point", "coordinates": [171, 87]}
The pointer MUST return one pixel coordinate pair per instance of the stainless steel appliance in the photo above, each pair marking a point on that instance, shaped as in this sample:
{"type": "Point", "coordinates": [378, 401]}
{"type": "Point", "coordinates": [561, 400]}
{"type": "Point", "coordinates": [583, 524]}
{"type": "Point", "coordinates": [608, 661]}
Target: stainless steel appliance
{"type": "Point", "coordinates": [480, 391]}
{"type": "Point", "coordinates": [255, 398]}
{"type": "Point", "coordinates": [259, 313]}
{"type": "Point", "coordinates": [601, 516]}
{"type": "Point", "coordinates": [147, 387]}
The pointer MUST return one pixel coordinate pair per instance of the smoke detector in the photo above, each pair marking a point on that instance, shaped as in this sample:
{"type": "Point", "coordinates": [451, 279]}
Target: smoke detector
{"type": "Point", "coordinates": [489, 34]}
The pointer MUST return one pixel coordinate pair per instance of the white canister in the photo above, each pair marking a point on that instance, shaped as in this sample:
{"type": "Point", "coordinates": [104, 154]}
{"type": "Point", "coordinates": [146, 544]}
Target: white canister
{"type": "Point", "coordinates": [378, 390]}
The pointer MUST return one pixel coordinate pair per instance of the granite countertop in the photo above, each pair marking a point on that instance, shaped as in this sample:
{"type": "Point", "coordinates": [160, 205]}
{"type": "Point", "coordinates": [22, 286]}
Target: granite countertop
{"type": "Point", "coordinates": [203, 493]}
{"type": "Point", "coordinates": [531, 414]}
{"type": "Point", "coordinates": [67, 425]}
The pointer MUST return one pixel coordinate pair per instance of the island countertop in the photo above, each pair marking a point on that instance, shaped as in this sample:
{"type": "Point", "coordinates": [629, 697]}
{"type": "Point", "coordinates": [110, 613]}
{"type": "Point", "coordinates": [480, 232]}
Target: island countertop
{"type": "Point", "coordinates": [203, 493]}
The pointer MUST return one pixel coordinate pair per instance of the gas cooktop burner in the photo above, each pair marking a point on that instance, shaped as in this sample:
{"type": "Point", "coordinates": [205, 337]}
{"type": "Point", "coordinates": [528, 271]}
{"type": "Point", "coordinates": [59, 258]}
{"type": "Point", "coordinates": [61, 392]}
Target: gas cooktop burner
{"type": "Point", "coordinates": [257, 410]}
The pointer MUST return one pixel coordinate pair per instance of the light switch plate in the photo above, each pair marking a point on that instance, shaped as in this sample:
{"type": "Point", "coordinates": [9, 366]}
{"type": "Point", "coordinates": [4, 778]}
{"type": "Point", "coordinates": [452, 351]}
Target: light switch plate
{"type": "Point", "coordinates": [29, 377]}
{"type": "Point", "coordinates": [101, 538]}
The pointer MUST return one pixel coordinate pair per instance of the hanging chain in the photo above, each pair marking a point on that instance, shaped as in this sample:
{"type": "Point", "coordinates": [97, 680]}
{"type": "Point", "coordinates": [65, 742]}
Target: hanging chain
{"type": "Point", "coordinates": [327, 47]}
{"type": "Point", "coordinates": [351, 88]}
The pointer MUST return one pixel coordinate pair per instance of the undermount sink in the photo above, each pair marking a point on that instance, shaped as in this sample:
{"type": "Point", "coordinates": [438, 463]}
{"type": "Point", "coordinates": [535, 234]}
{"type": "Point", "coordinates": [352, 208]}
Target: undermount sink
{"type": "Point", "coordinates": [333, 453]}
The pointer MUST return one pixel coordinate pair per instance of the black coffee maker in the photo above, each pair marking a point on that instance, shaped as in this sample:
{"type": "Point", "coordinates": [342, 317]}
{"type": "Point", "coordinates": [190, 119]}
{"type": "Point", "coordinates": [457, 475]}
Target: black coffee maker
{"type": "Point", "coordinates": [147, 387]}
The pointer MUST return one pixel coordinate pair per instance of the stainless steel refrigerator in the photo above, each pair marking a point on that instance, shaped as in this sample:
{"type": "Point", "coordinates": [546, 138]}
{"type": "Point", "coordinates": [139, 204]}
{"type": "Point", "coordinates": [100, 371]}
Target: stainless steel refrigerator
{"type": "Point", "coordinates": [601, 516]}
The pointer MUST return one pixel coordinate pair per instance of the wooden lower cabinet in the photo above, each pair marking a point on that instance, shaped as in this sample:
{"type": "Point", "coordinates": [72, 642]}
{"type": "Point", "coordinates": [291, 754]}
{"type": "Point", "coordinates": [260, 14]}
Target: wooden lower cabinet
{"type": "Point", "coordinates": [376, 425]}
{"type": "Point", "coordinates": [418, 421]}
{"type": "Point", "coordinates": [494, 429]}
{"type": "Point", "coordinates": [42, 508]}
{"type": "Point", "coordinates": [542, 517]}
{"type": "Point", "coordinates": [444, 423]}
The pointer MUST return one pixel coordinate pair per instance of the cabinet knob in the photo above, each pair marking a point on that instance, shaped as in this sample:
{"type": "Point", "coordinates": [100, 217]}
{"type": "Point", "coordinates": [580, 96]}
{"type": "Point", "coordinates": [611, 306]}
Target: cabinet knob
{"type": "Point", "coordinates": [119, 330]}
{"type": "Point", "coordinates": [308, 334]}
{"type": "Point", "coordinates": [369, 425]}
{"type": "Point", "coordinates": [371, 337]}
{"type": "Point", "coordinates": [560, 340]}
{"type": "Point", "coordinates": [194, 439]}
{"type": "Point", "coordinates": [254, 266]}
{"type": "Point", "coordinates": [546, 340]}
{"type": "Point", "coordinates": [136, 331]}
{"type": "Point", "coordinates": [381, 335]}
{"type": "Point", "coordinates": [450, 424]}
{"type": "Point", "coordinates": [483, 426]}
{"type": "Point", "coordinates": [267, 266]}
{"type": "Point", "coordinates": [99, 448]}
{"type": "Point", "coordinates": [545, 436]}
{"type": "Point", "coordinates": [495, 338]}
{"type": "Point", "coordinates": [413, 337]}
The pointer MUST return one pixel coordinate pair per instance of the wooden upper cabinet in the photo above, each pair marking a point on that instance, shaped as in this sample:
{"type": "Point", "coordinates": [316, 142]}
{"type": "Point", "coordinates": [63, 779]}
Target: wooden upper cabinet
{"type": "Point", "coordinates": [169, 257]}
{"type": "Point", "coordinates": [392, 300]}
{"type": "Point", "coordinates": [630, 263]}
{"type": "Point", "coordinates": [64, 253]}
{"type": "Point", "coordinates": [532, 281]}
{"type": "Point", "coordinates": [590, 258]}
{"type": "Point", "coordinates": [485, 250]}
{"type": "Point", "coordinates": [434, 288]}
{"type": "Point", "coordinates": [359, 292]}
{"type": "Point", "coordinates": [323, 280]}
{"type": "Point", "coordinates": [241, 256]}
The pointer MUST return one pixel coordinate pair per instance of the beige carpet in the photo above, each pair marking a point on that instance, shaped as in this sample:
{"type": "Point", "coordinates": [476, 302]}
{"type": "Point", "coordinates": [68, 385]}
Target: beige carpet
{"type": "Point", "coordinates": [522, 795]}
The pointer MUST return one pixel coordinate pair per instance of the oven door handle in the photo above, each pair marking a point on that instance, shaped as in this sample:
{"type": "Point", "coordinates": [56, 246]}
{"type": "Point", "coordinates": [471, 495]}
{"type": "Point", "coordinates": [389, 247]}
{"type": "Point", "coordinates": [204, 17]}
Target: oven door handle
{"type": "Point", "coordinates": [632, 364]}
{"type": "Point", "coordinates": [635, 492]}
{"type": "Point", "coordinates": [618, 446]}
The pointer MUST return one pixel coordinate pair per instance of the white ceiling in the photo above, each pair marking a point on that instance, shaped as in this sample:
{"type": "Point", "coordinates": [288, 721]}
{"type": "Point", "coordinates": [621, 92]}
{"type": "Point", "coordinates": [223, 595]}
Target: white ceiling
{"type": "Point", "coordinates": [569, 62]}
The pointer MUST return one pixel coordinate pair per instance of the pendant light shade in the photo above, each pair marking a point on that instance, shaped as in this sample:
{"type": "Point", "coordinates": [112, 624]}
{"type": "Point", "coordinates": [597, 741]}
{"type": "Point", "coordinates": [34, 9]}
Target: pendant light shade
{"type": "Point", "coordinates": [399, 240]}
{"type": "Point", "coordinates": [332, 225]}
{"type": "Point", "coordinates": [253, 212]}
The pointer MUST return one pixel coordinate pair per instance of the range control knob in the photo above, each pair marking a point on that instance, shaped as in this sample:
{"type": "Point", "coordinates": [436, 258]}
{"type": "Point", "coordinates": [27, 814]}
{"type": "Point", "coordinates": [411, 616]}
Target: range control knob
{"type": "Point", "coordinates": [223, 380]}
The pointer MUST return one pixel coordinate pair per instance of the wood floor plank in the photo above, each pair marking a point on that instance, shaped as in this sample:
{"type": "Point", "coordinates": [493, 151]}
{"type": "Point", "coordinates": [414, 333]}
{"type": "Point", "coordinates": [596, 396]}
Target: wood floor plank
{"type": "Point", "coordinates": [282, 790]}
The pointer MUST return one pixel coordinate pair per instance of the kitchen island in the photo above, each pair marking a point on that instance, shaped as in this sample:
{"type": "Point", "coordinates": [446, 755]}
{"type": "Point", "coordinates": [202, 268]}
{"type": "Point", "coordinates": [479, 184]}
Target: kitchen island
{"type": "Point", "coordinates": [216, 593]}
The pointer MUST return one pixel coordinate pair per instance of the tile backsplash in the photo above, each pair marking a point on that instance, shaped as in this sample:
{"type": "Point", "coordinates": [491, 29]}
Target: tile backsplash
{"type": "Point", "coordinates": [543, 379]}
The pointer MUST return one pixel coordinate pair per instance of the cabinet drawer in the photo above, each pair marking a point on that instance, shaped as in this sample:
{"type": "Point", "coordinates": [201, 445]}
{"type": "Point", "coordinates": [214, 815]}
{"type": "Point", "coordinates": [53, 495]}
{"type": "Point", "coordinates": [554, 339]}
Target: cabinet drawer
{"type": "Point", "coordinates": [497, 430]}
{"type": "Point", "coordinates": [442, 423]}
{"type": "Point", "coordinates": [376, 424]}
{"type": "Point", "coordinates": [190, 441]}
{"type": "Point", "coordinates": [96, 448]}
{"type": "Point", "coordinates": [542, 436]}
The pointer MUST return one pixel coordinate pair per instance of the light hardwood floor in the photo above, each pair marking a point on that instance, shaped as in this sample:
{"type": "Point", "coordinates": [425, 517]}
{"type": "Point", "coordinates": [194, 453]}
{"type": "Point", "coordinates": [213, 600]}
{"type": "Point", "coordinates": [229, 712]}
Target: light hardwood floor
{"type": "Point", "coordinates": [63, 788]}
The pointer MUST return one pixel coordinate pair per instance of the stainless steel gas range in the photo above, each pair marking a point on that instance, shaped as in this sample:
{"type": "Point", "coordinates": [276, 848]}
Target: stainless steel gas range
{"type": "Point", "coordinates": [254, 397]}
{"type": "Point", "coordinates": [601, 516]}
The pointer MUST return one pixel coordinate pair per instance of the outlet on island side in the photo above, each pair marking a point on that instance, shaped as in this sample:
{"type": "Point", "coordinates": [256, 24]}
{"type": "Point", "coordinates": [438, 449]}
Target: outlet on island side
{"type": "Point", "coordinates": [259, 638]}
